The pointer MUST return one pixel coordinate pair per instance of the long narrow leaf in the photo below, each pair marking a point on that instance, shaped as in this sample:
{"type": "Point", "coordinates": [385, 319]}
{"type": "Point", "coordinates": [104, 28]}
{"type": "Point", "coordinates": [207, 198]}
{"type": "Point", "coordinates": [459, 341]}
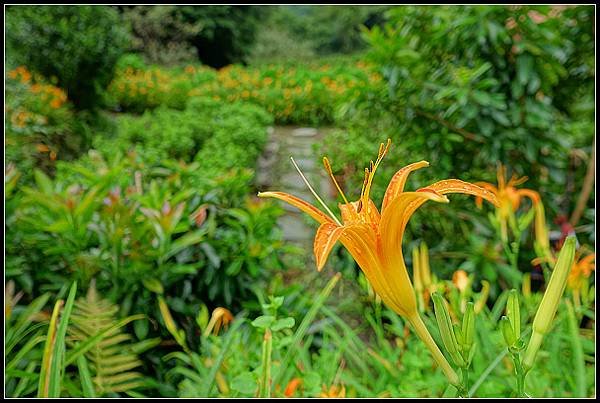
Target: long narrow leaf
{"type": "Point", "coordinates": [578, 360]}
{"type": "Point", "coordinates": [13, 333]}
{"type": "Point", "coordinates": [48, 350]}
{"type": "Point", "coordinates": [303, 327]}
{"type": "Point", "coordinates": [87, 385]}
{"type": "Point", "coordinates": [56, 367]}
{"type": "Point", "coordinates": [217, 364]}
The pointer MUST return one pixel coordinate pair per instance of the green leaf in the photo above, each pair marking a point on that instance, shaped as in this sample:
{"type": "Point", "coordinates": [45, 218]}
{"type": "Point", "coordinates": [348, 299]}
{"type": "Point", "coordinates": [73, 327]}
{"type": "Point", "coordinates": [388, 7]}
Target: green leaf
{"type": "Point", "coordinates": [57, 366]}
{"type": "Point", "coordinates": [87, 385]}
{"type": "Point", "coordinates": [263, 321]}
{"type": "Point", "coordinates": [245, 383]}
{"type": "Point", "coordinates": [285, 323]}
{"type": "Point", "coordinates": [153, 285]}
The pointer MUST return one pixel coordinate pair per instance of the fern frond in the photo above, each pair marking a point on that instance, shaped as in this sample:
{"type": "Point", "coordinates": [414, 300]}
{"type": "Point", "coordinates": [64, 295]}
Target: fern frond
{"type": "Point", "coordinates": [112, 359]}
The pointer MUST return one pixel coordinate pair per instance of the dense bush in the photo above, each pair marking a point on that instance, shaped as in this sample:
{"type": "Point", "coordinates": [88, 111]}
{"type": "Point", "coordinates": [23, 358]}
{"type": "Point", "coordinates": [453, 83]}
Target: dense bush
{"type": "Point", "coordinates": [161, 35]}
{"type": "Point", "coordinates": [292, 93]}
{"type": "Point", "coordinates": [79, 45]}
{"type": "Point", "coordinates": [469, 87]}
{"type": "Point", "coordinates": [139, 230]}
{"type": "Point", "coordinates": [219, 136]}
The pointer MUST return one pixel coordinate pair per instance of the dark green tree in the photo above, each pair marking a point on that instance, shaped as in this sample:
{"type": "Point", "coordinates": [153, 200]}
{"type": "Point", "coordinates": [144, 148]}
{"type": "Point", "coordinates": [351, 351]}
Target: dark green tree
{"type": "Point", "coordinates": [76, 45]}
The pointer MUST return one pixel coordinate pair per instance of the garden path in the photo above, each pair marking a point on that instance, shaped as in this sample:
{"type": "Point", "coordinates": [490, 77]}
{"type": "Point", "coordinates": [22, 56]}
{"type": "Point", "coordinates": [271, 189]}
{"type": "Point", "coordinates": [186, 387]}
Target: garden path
{"type": "Point", "coordinates": [276, 172]}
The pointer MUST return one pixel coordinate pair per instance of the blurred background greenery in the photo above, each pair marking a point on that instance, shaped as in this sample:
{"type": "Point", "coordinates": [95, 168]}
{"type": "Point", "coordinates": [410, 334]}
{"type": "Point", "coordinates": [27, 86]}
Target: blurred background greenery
{"type": "Point", "coordinates": [132, 135]}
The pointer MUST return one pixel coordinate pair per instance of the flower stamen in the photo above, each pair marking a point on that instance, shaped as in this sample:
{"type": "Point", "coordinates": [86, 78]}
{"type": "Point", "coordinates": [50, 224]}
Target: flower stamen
{"type": "Point", "coordinates": [330, 172]}
{"type": "Point", "coordinates": [315, 193]}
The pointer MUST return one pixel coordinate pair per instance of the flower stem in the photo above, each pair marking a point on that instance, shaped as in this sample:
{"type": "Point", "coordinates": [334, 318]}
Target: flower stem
{"type": "Point", "coordinates": [265, 381]}
{"type": "Point", "coordinates": [519, 373]}
{"type": "Point", "coordinates": [421, 330]}
{"type": "Point", "coordinates": [465, 380]}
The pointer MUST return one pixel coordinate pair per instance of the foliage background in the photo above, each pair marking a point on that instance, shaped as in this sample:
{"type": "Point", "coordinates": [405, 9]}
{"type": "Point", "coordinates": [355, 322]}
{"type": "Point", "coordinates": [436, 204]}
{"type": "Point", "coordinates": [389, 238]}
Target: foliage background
{"type": "Point", "coordinates": [131, 164]}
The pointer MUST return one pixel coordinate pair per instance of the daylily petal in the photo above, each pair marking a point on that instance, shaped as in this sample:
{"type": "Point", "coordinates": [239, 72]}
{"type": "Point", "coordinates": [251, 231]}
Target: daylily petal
{"type": "Point", "coordinates": [300, 204]}
{"type": "Point", "coordinates": [395, 217]}
{"type": "Point", "coordinates": [350, 215]}
{"type": "Point", "coordinates": [327, 235]}
{"type": "Point", "coordinates": [389, 283]}
{"type": "Point", "coordinates": [488, 186]}
{"type": "Point", "coordinates": [391, 230]}
{"type": "Point", "coordinates": [458, 186]}
{"type": "Point", "coordinates": [396, 185]}
{"type": "Point", "coordinates": [435, 191]}
{"type": "Point", "coordinates": [532, 194]}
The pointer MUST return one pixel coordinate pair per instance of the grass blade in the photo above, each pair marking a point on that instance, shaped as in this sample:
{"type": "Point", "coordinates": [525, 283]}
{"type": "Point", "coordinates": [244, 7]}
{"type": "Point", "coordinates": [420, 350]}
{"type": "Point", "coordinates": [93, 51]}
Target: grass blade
{"type": "Point", "coordinates": [57, 367]}
{"type": "Point", "coordinates": [578, 359]}
{"type": "Point", "coordinates": [217, 364]}
{"type": "Point", "coordinates": [87, 385]}
{"type": "Point", "coordinates": [43, 384]}
{"type": "Point", "coordinates": [303, 327]}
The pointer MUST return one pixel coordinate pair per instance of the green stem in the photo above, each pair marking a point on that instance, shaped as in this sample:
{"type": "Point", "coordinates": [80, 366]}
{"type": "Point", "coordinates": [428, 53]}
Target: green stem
{"type": "Point", "coordinates": [520, 374]}
{"type": "Point", "coordinates": [265, 383]}
{"type": "Point", "coordinates": [421, 331]}
{"type": "Point", "coordinates": [465, 381]}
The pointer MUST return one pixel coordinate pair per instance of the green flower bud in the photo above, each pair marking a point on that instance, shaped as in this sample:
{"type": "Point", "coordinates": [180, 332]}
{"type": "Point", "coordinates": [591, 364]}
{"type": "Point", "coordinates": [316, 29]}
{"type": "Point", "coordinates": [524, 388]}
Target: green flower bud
{"type": "Point", "coordinates": [458, 334]}
{"type": "Point", "coordinates": [446, 329]}
{"type": "Point", "coordinates": [507, 332]}
{"type": "Point", "coordinates": [548, 306]}
{"type": "Point", "coordinates": [513, 312]}
{"type": "Point", "coordinates": [468, 325]}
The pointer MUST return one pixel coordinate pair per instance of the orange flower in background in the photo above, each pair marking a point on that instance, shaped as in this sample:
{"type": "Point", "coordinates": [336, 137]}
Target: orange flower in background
{"type": "Point", "coordinates": [291, 387]}
{"type": "Point", "coordinates": [374, 238]}
{"type": "Point", "coordinates": [509, 198]}
{"type": "Point", "coordinates": [582, 269]}
{"type": "Point", "coordinates": [221, 317]}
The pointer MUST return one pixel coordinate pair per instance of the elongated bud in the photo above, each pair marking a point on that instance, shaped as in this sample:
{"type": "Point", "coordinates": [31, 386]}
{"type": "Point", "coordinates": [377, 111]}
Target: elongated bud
{"type": "Point", "coordinates": [507, 332]}
{"type": "Point", "coordinates": [526, 289]}
{"type": "Point", "coordinates": [446, 329]}
{"type": "Point", "coordinates": [468, 325]}
{"type": "Point", "coordinates": [417, 270]}
{"type": "Point", "coordinates": [483, 296]}
{"type": "Point", "coordinates": [513, 312]}
{"type": "Point", "coordinates": [425, 269]}
{"type": "Point", "coordinates": [548, 306]}
{"type": "Point", "coordinates": [460, 340]}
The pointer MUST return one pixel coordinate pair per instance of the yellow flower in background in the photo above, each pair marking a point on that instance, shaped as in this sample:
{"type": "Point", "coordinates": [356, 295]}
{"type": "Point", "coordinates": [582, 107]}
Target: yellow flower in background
{"type": "Point", "coordinates": [461, 280]}
{"type": "Point", "coordinates": [374, 239]}
{"type": "Point", "coordinates": [333, 391]}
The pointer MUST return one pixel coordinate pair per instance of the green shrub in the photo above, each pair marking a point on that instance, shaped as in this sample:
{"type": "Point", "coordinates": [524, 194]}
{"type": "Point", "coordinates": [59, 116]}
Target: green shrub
{"type": "Point", "coordinates": [218, 135]}
{"type": "Point", "coordinates": [467, 88]}
{"type": "Point", "coordinates": [79, 45]}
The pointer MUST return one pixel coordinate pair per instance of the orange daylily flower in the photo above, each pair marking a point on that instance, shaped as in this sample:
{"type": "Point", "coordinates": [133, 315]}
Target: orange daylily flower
{"type": "Point", "coordinates": [509, 199]}
{"type": "Point", "coordinates": [220, 317]}
{"type": "Point", "coordinates": [374, 238]}
{"type": "Point", "coordinates": [582, 269]}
